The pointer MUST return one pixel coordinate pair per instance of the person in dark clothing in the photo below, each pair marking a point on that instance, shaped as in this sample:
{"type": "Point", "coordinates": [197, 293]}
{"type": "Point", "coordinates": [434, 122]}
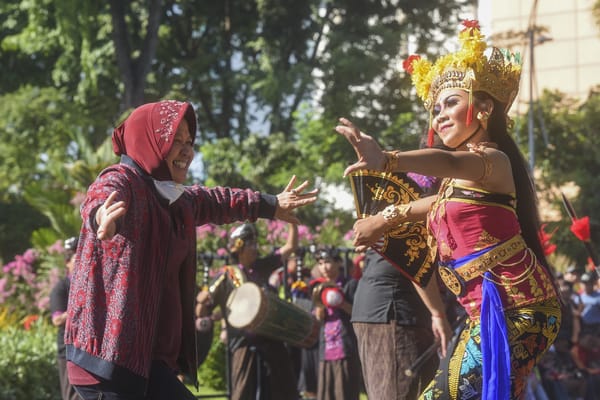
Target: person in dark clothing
{"type": "Point", "coordinates": [261, 367]}
{"type": "Point", "coordinates": [393, 327]}
{"type": "Point", "coordinates": [395, 321]}
{"type": "Point", "coordinates": [59, 298]}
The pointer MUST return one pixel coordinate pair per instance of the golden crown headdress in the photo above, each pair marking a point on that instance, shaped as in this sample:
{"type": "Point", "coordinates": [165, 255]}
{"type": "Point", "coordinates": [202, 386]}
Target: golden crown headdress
{"type": "Point", "coordinates": [469, 69]}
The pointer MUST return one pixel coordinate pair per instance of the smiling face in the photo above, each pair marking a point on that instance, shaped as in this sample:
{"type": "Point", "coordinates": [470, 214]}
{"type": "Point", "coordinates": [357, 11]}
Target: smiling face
{"type": "Point", "coordinates": [450, 116]}
{"type": "Point", "coordinates": [181, 154]}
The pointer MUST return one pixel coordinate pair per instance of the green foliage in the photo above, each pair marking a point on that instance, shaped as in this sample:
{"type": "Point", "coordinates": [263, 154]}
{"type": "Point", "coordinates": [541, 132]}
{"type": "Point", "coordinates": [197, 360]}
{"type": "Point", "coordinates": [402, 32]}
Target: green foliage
{"type": "Point", "coordinates": [48, 160]}
{"type": "Point", "coordinates": [314, 157]}
{"type": "Point", "coordinates": [28, 363]}
{"type": "Point", "coordinates": [34, 130]}
{"type": "Point", "coordinates": [17, 220]}
{"type": "Point", "coordinates": [573, 151]}
{"type": "Point", "coordinates": [55, 205]}
{"type": "Point", "coordinates": [237, 165]}
{"type": "Point", "coordinates": [27, 280]}
{"type": "Point", "coordinates": [212, 371]}
{"type": "Point", "coordinates": [596, 12]}
{"type": "Point", "coordinates": [18, 20]}
{"type": "Point", "coordinates": [332, 232]}
{"type": "Point", "coordinates": [323, 153]}
{"type": "Point", "coordinates": [70, 41]}
{"type": "Point", "coordinates": [247, 68]}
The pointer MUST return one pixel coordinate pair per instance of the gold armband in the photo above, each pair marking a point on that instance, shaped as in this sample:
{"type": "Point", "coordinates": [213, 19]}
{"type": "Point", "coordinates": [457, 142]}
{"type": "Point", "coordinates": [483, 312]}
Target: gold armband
{"type": "Point", "coordinates": [392, 161]}
{"type": "Point", "coordinates": [395, 215]}
{"type": "Point", "coordinates": [479, 149]}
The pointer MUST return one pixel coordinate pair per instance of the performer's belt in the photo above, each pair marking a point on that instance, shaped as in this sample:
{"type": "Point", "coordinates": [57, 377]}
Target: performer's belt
{"type": "Point", "coordinates": [455, 279]}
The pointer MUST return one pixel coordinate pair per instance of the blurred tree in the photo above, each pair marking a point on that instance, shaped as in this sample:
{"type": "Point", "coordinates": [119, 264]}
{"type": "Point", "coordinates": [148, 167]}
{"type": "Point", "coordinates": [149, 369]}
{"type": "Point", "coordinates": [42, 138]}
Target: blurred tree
{"type": "Point", "coordinates": [571, 155]}
{"type": "Point", "coordinates": [17, 221]}
{"type": "Point", "coordinates": [251, 68]}
{"type": "Point", "coordinates": [596, 12]}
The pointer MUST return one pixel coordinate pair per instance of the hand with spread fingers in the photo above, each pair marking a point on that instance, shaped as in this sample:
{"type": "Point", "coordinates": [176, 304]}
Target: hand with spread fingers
{"type": "Point", "coordinates": [292, 198]}
{"type": "Point", "coordinates": [369, 153]}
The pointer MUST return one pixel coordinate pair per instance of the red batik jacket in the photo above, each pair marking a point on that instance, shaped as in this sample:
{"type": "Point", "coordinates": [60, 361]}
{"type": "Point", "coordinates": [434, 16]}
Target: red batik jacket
{"type": "Point", "coordinates": [115, 289]}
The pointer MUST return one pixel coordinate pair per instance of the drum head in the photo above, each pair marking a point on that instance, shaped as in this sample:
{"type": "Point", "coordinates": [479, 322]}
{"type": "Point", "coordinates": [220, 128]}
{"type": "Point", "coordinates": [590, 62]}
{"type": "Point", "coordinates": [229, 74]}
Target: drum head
{"type": "Point", "coordinates": [244, 305]}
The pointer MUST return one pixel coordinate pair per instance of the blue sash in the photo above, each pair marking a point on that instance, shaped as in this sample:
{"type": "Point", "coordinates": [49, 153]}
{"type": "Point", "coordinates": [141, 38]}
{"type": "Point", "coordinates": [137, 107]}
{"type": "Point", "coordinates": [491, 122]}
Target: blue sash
{"type": "Point", "coordinates": [494, 337]}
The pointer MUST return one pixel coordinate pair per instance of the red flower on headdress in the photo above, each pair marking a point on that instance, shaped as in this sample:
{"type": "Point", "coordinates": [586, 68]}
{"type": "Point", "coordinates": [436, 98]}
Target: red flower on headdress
{"type": "Point", "coordinates": [470, 24]}
{"type": "Point", "coordinates": [408, 63]}
{"type": "Point", "coordinates": [548, 247]}
{"type": "Point", "coordinates": [581, 228]}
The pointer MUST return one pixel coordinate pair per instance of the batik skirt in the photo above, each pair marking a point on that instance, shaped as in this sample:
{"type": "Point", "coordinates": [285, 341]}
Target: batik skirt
{"type": "Point", "coordinates": [531, 330]}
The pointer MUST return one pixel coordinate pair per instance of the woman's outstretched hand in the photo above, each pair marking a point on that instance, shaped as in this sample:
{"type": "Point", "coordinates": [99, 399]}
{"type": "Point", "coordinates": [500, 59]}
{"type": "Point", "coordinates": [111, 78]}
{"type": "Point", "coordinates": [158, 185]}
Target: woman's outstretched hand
{"type": "Point", "coordinates": [370, 155]}
{"type": "Point", "coordinates": [292, 198]}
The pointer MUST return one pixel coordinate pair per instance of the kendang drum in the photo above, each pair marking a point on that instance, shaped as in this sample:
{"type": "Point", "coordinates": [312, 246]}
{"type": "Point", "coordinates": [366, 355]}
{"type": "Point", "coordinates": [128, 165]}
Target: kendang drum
{"type": "Point", "coordinates": [260, 312]}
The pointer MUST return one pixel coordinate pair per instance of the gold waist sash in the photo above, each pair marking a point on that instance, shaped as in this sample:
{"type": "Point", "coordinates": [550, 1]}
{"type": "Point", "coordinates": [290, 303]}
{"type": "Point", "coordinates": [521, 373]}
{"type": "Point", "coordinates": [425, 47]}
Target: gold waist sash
{"type": "Point", "coordinates": [455, 279]}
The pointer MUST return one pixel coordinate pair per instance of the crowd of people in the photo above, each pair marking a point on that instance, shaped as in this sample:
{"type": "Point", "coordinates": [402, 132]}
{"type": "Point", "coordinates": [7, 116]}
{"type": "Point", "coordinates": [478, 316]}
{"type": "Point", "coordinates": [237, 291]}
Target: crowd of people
{"type": "Point", "coordinates": [571, 369]}
{"type": "Point", "coordinates": [330, 368]}
{"type": "Point", "coordinates": [129, 331]}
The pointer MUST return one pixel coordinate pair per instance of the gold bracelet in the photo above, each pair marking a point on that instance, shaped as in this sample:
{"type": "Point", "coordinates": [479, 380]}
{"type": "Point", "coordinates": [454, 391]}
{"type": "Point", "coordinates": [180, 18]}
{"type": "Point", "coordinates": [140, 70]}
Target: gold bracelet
{"type": "Point", "coordinates": [392, 160]}
{"type": "Point", "coordinates": [394, 215]}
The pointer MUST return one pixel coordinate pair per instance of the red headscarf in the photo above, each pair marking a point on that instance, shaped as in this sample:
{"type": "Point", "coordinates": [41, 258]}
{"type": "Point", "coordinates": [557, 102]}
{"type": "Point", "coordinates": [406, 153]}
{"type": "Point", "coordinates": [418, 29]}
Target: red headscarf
{"type": "Point", "coordinates": [147, 134]}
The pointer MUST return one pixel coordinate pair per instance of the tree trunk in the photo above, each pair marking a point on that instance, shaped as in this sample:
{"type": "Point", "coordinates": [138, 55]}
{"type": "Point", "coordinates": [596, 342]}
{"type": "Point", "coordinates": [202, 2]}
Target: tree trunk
{"type": "Point", "coordinates": [134, 71]}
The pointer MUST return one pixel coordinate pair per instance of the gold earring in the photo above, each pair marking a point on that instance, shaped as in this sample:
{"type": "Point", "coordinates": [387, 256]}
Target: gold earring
{"type": "Point", "coordinates": [483, 117]}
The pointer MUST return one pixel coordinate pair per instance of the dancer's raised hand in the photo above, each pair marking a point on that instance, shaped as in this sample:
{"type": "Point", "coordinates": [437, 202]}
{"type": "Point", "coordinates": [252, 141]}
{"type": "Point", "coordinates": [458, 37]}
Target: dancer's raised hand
{"type": "Point", "coordinates": [369, 153]}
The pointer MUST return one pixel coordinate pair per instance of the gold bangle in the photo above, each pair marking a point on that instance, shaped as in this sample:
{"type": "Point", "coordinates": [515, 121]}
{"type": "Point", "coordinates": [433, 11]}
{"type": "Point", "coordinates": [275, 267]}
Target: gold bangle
{"type": "Point", "coordinates": [394, 215]}
{"type": "Point", "coordinates": [392, 160]}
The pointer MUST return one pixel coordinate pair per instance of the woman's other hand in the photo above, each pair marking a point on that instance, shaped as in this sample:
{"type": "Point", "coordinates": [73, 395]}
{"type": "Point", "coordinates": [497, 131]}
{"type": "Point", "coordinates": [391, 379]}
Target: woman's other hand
{"type": "Point", "coordinates": [370, 155]}
{"type": "Point", "coordinates": [107, 215]}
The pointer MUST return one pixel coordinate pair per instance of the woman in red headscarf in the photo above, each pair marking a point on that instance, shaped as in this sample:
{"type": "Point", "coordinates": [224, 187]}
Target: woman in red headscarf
{"type": "Point", "coordinates": [130, 327]}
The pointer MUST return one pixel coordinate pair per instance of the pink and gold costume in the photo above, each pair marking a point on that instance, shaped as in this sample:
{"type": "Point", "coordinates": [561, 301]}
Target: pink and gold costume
{"type": "Point", "coordinates": [507, 294]}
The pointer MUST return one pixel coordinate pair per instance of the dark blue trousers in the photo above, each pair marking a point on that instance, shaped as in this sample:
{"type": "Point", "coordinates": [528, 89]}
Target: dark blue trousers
{"type": "Point", "coordinates": [162, 385]}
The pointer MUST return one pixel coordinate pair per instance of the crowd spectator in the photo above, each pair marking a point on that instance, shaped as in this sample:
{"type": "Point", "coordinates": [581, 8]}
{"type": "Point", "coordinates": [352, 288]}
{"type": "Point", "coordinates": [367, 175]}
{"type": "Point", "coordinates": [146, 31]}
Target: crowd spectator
{"type": "Point", "coordinates": [590, 299]}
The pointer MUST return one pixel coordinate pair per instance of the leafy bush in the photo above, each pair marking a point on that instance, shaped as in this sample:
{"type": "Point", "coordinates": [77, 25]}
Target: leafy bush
{"type": "Point", "coordinates": [28, 363]}
{"type": "Point", "coordinates": [212, 372]}
{"type": "Point", "coordinates": [26, 282]}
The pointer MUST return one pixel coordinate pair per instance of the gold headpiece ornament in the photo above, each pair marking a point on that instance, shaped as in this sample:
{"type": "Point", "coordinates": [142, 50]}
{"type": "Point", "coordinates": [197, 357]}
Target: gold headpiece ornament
{"type": "Point", "coordinates": [469, 69]}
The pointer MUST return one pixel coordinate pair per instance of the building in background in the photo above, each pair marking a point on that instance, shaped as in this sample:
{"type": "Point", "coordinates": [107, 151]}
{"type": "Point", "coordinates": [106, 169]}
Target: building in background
{"type": "Point", "coordinates": [566, 55]}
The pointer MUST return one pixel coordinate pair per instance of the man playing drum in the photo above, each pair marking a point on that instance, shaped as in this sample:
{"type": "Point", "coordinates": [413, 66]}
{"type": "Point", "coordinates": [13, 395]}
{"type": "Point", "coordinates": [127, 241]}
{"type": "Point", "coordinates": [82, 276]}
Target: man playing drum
{"type": "Point", "coordinates": [258, 364]}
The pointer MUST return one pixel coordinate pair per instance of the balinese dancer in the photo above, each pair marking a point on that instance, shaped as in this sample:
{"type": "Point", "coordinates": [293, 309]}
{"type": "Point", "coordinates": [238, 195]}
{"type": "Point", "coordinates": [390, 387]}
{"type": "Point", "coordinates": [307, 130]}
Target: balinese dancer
{"type": "Point", "coordinates": [486, 242]}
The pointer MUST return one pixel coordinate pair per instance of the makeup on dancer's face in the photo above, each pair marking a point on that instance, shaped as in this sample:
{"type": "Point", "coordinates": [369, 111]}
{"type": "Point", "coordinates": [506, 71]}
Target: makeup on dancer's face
{"type": "Point", "coordinates": [445, 102]}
